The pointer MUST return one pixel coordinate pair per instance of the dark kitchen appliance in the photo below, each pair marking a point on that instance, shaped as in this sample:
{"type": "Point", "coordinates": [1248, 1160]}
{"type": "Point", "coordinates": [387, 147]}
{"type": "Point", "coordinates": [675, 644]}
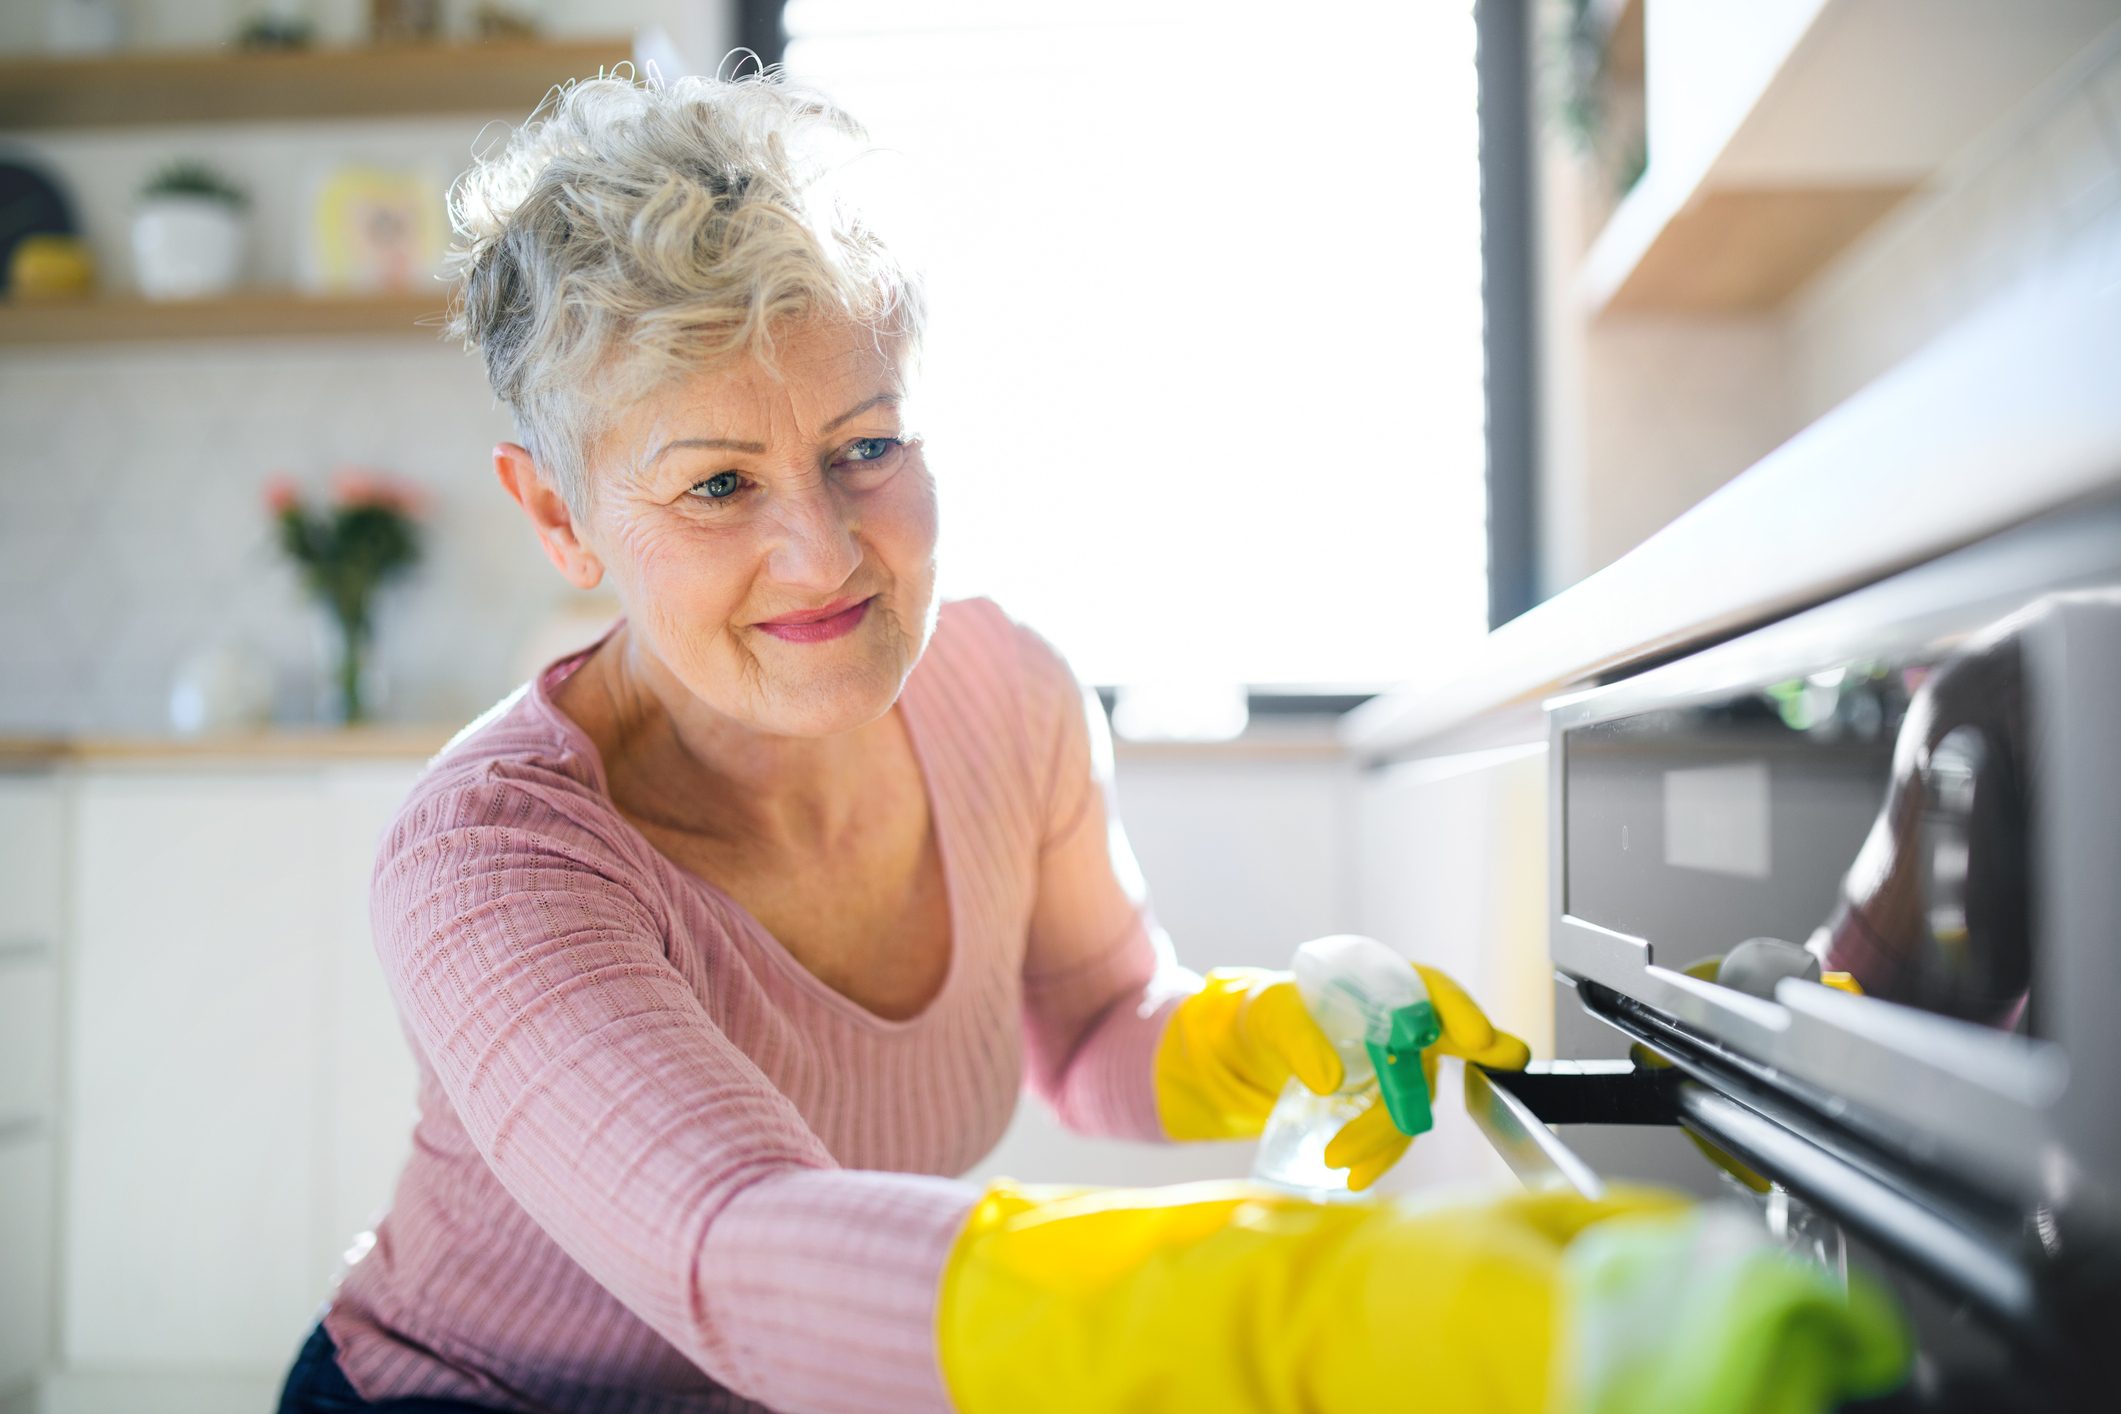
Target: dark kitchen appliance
{"type": "Point", "coordinates": [1918, 784]}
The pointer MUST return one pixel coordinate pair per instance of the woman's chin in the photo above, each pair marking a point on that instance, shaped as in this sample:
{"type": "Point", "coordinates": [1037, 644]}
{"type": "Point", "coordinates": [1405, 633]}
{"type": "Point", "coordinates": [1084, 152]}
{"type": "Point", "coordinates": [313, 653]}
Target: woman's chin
{"type": "Point", "coordinates": [826, 703]}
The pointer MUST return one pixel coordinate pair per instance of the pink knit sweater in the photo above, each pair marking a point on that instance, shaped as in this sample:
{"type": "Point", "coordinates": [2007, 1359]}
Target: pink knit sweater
{"type": "Point", "coordinates": [658, 1165]}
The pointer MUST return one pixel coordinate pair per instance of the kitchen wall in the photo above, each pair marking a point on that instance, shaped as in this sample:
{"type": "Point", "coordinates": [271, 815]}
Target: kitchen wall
{"type": "Point", "coordinates": [2038, 198]}
{"type": "Point", "coordinates": [133, 532]}
{"type": "Point", "coordinates": [1644, 415]}
{"type": "Point", "coordinates": [131, 528]}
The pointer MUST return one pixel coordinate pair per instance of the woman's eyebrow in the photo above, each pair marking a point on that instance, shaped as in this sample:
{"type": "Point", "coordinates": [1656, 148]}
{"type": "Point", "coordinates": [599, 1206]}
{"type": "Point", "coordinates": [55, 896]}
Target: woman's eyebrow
{"type": "Point", "coordinates": [727, 444]}
{"type": "Point", "coordinates": [713, 444]}
{"type": "Point", "coordinates": [850, 414]}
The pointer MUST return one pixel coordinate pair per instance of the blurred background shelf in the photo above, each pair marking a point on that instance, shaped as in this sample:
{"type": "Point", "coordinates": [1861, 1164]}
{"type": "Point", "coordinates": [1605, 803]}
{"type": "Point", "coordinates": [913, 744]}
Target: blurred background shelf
{"type": "Point", "coordinates": [232, 85]}
{"type": "Point", "coordinates": [253, 314]}
{"type": "Point", "coordinates": [1805, 122]}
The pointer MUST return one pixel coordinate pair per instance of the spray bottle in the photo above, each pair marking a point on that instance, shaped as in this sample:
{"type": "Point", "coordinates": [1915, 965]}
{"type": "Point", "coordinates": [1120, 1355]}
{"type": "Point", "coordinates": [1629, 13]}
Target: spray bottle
{"type": "Point", "coordinates": [1370, 1003]}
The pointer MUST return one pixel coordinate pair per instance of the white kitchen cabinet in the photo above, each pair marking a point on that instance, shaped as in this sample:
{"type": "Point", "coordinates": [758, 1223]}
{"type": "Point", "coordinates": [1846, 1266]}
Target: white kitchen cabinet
{"type": "Point", "coordinates": [29, 1034]}
{"type": "Point", "coordinates": [32, 859]}
{"type": "Point", "coordinates": [26, 1203]}
{"type": "Point", "coordinates": [200, 926]}
{"type": "Point", "coordinates": [238, 1095]}
{"type": "Point", "coordinates": [29, 992]}
{"type": "Point", "coordinates": [371, 1087]}
{"type": "Point", "coordinates": [32, 826]}
{"type": "Point", "coordinates": [1451, 868]}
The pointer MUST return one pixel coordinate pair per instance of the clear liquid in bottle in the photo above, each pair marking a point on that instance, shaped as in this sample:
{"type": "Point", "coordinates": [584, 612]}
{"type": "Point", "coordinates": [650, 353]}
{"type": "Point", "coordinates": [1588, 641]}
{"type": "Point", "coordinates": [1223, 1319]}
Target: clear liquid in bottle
{"type": "Point", "coordinates": [1354, 988]}
{"type": "Point", "coordinates": [1292, 1149]}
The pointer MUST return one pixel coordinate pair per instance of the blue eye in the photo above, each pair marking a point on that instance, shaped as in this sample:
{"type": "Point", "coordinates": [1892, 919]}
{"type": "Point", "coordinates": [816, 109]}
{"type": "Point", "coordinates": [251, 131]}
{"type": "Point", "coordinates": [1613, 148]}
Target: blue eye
{"type": "Point", "coordinates": [728, 483]}
{"type": "Point", "coordinates": [869, 449]}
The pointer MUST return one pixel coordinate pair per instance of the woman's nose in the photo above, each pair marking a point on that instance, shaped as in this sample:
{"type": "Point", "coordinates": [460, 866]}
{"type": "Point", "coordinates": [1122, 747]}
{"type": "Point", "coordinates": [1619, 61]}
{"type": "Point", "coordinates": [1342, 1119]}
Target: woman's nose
{"type": "Point", "coordinates": [815, 545]}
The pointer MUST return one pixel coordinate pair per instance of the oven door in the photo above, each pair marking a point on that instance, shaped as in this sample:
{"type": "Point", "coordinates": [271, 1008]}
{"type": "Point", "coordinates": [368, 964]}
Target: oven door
{"type": "Point", "coordinates": [1913, 791]}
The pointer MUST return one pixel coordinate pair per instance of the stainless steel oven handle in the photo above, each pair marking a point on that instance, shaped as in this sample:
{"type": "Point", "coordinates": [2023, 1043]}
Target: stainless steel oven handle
{"type": "Point", "coordinates": [1533, 1151]}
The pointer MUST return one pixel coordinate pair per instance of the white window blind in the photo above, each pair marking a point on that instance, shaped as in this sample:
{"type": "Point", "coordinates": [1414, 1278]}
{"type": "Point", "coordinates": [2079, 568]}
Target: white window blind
{"type": "Point", "coordinates": [1203, 386]}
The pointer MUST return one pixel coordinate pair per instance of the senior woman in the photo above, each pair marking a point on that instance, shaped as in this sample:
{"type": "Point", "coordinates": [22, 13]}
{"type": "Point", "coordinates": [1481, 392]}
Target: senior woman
{"type": "Point", "coordinates": [723, 942]}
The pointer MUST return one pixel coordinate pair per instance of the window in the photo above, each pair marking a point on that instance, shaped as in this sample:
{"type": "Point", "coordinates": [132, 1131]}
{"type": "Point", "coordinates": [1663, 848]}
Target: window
{"type": "Point", "coordinates": [1203, 388]}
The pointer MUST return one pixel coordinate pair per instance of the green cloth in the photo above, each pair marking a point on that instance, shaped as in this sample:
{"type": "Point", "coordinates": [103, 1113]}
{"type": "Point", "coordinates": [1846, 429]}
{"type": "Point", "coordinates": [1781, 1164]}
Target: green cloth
{"type": "Point", "coordinates": [1701, 1314]}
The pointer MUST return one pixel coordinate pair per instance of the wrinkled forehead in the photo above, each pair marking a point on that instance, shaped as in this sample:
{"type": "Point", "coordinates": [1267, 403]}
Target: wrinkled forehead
{"type": "Point", "coordinates": [813, 379]}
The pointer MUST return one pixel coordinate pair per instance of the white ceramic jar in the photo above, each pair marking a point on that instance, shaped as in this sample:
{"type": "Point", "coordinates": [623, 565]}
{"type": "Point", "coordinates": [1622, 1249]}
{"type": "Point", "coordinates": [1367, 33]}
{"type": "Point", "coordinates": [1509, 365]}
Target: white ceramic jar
{"type": "Point", "coordinates": [186, 247]}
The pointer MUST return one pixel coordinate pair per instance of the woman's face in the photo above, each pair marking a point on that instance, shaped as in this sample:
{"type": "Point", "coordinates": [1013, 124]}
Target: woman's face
{"type": "Point", "coordinates": [736, 497]}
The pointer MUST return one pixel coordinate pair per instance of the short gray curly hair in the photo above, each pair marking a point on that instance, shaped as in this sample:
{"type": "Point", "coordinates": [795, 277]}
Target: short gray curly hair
{"type": "Point", "coordinates": [635, 229]}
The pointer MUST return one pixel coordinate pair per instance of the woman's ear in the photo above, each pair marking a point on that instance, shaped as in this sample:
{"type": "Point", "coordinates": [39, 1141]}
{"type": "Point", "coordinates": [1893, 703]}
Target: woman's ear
{"type": "Point", "coordinates": [548, 513]}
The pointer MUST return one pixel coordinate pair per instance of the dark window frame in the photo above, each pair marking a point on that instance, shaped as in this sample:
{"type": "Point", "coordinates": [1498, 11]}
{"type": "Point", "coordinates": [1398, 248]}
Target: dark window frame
{"type": "Point", "coordinates": [1509, 224]}
{"type": "Point", "coordinates": [761, 27]}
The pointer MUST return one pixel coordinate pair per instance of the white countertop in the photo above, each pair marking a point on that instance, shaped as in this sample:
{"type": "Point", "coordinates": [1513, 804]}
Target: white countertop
{"type": "Point", "coordinates": [2011, 413]}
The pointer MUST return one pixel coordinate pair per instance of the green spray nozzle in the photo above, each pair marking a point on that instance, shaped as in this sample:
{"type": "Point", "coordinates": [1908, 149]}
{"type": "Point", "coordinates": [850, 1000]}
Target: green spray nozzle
{"type": "Point", "coordinates": [1397, 1060]}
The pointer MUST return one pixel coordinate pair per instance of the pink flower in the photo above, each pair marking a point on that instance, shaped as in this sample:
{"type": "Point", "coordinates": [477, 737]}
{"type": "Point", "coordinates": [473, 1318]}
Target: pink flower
{"type": "Point", "coordinates": [356, 486]}
{"type": "Point", "coordinates": [411, 499]}
{"type": "Point", "coordinates": [364, 486]}
{"type": "Point", "coordinates": [281, 493]}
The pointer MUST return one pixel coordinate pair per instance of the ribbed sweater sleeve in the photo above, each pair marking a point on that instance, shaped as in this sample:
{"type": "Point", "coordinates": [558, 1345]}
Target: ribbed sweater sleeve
{"type": "Point", "coordinates": [1100, 976]}
{"type": "Point", "coordinates": [530, 966]}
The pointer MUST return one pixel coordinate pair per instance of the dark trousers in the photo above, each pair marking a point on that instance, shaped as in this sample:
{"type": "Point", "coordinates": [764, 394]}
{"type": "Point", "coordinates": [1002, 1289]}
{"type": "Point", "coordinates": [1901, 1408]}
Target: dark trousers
{"type": "Point", "coordinates": [316, 1385]}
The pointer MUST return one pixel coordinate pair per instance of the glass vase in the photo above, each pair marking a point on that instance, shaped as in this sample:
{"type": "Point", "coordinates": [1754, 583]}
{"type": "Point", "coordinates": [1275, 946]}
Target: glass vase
{"type": "Point", "coordinates": [352, 686]}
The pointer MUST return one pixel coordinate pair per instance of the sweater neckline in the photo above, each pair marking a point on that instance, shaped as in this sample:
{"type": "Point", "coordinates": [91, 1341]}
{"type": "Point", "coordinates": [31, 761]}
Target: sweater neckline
{"type": "Point", "coordinates": [560, 669]}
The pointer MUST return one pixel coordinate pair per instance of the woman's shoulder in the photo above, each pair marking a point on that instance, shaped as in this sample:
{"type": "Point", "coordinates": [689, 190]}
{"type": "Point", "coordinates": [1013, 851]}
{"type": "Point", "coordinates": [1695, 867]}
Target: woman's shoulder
{"type": "Point", "coordinates": [511, 740]}
{"type": "Point", "coordinates": [514, 768]}
{"type": "Point", "coordinates": [979, 632]}
{"type": "Point", "coordinates": [989, 656]}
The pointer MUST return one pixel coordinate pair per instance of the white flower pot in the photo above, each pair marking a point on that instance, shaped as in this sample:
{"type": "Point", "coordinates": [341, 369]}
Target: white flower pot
{"type": "Point", "coordinates": [186, 247]}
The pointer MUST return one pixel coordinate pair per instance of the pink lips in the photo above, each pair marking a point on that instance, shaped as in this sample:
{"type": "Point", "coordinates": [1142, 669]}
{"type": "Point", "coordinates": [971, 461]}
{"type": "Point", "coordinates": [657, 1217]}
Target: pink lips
{"type": "Point", "coordinates": [827, 623]}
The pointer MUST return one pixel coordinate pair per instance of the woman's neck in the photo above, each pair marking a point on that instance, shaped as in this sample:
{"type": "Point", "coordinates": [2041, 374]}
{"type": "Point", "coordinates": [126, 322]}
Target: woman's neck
{"type": "Point", "coordinates": [676, 763]}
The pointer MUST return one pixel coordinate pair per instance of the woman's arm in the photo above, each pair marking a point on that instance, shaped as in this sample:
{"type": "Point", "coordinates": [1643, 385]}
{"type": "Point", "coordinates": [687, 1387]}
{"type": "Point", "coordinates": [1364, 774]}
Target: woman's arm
{"type": "Point", "coordinates": [1100, 979]}
{"type": "Point", "coordinates": [531, 972]}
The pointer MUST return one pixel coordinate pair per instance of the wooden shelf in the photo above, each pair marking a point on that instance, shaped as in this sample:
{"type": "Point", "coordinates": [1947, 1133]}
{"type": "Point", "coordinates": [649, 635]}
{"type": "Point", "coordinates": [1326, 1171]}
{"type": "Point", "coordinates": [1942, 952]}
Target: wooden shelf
{"type": "Point", "coordinates": [231, 85]}
{"type": "Point", "coordinates": [1724, 250]}
{"type": "Point", "coordinates": [288, 743]}
{"type": "Point", "coordinates": [251, 314]}
{"type": "Point", "coordinates": [1864, 102]}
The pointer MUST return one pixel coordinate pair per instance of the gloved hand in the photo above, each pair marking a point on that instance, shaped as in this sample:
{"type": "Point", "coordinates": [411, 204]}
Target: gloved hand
{"type": "Point", "coordinates": [1237, 1299]}
{"type": "Point", "coordinates": [1231, 1047]}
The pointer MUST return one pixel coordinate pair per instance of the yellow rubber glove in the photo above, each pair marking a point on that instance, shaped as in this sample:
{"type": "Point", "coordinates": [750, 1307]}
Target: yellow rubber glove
{"type": "Point", "coordinates": [1233, 1298]}
{"type": "Point", "coordinates": [1231, 1047]}
{"type": "Point", "coordinates": [1369, 1144]}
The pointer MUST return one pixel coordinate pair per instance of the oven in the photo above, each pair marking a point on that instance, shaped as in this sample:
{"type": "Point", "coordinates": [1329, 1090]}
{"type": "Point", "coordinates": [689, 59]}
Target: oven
{"type": "Point", "coordinates": [1837, 906]}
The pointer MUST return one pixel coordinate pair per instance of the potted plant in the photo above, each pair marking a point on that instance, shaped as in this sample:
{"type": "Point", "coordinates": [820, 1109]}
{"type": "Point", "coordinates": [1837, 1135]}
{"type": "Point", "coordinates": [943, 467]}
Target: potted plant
{"type": "Point", "coordinates": [368, 534]}
{"type": "Point", "coordinates": [188, 233]}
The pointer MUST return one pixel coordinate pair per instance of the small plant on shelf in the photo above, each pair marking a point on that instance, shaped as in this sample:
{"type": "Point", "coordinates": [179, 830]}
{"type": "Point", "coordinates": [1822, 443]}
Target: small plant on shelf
{"type": "Point", "coordinates": [187, 178]}
{"type": "Point", "coordinates": [276, 32]}
{"type": "Point", "coordinates": [188, 232]}
{"type": "Point", "coordinates": [366, 535]}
